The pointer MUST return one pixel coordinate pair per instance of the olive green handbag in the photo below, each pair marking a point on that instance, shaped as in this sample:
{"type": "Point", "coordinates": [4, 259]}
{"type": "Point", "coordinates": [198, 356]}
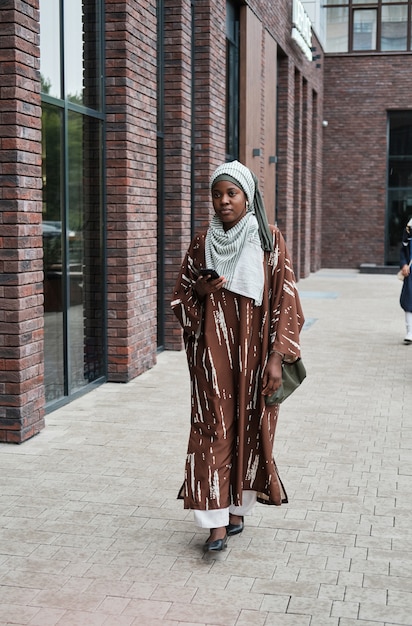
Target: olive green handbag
{"type": "Point", "coordinates": [293, 374]}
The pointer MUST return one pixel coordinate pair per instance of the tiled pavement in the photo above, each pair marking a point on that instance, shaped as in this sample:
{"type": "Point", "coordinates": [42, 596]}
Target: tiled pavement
{"type": "Point", "coordinates": [91, 532]}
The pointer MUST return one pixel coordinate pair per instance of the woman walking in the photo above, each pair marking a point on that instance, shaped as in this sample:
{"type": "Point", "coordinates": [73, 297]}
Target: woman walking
{"type": "Point", "coordinates": [239, 323]}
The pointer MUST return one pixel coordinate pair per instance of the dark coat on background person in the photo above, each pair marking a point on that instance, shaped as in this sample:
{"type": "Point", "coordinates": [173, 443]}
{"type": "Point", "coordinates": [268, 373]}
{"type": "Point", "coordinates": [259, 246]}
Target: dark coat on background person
{"type": "Point", "coordinates": [405, 259]}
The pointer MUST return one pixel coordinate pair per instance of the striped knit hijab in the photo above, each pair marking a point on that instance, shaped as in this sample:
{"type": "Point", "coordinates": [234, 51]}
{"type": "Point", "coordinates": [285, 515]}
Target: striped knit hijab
{"type": "Point", "coordinates": [237, 253]}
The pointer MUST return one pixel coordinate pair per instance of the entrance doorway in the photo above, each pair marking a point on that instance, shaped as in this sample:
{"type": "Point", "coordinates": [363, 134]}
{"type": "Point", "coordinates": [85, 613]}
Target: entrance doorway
{"type": "Point", "coordinates": [399, 195]}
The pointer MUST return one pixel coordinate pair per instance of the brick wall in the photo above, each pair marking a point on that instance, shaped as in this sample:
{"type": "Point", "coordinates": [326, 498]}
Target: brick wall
{"type": "Point", "coordinates": [21, 288]}
{"type": "Point", "coordinates": [359, 91]}
{"type": "Point", "coordinates": [131, 186]}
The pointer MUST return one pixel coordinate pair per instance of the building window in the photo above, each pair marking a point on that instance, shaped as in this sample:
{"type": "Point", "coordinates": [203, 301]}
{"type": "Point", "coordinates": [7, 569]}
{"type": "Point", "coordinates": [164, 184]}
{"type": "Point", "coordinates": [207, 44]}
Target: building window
{"type": "Point", "coordinates": [232, 81]}
{"type": "Point", "coordinates": [71, 56]}
{"type": "Point", "coordinates": [368, 25]}
{"type": "Point", "coordinates": [364, 29]}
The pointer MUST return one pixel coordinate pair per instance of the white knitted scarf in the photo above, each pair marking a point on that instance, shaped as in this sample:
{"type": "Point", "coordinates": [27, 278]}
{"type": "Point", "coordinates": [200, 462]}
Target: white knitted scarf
{"type": "Point", "coordinates": [237, 255]}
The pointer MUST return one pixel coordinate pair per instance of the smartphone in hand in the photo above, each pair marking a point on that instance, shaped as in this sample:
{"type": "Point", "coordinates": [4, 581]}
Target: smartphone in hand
{"type": "Point", "coordinates": [211, 273]}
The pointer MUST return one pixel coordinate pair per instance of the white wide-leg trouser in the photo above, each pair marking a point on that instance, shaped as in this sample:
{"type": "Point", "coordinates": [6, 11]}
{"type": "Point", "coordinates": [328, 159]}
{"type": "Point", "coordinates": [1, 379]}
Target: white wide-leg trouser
{"type": "Point", "coordinates": [220, 517]}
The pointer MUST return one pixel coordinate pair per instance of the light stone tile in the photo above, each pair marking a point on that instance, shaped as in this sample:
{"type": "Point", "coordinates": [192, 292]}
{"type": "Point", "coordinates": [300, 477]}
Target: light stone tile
{"type": "Point", "coordinates": [321, 549]}
{"type": "Point", "coordinates": [109, 572]}
{"type": "Point", "coordinates": [321, 576]}
{"type": "Point", "coordinates": [337, 564]}
{"type": "Point", "coordinates": [350, 578]}
{"type": "Point", "coordinates": [309, 606]}
{"type": "Point", "coordinates": [142, 574]}
{"type": "Point", "coordinates": [399, 583]}
{"type": "Point", "coordinates": [251, 618]}
{"type": "Point", "coordinates": [183, 595]}
{"type": "Point", "coordinates": [284, 588]}
{"type": "Point", "coordinates": [390, 614]}
{"type": "Point", "coordinates": [296, 547]}
{"type": "Point", "coordinates": [362, 594]}
{"type": "Point", "coordinates": [275, 603]}
{"type": "Point", "coordinates": [239, 584]}
{"type": "Point", "coordinates": [122, 620]}
{"type": "Point", "coordinates": [402, 598]}
{"type": "Point", "coordinates": [209, 614]}
{"type": "Point", "coordinates": [82, 618]}
{"type": "Point", "coordinates": [113, 605]}
{"type": "Point", "coordinates": [67, 600]}
{"type": "Point", "coordinates": [332, 592]}
{"type": "Point", "coordinates": [16, 613]}
{"type": "Point", "coordinates": [221, 598]}
{"type": "Point", "coordinates": [47, 617]}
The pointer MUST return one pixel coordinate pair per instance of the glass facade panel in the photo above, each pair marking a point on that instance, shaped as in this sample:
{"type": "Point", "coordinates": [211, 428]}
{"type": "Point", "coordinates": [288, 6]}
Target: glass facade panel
{"type": "Point", "coordinates": [85, 252]}
{"type": "Point", "coordinates": [399, 197]}
{"type": "Point", "coordinates": [337, 24]}
{"type": "Point", "coordinates": [394, 27]}
{"type": "Point", "coordinates": [53, 251]}
{"type": "Point", "coordinates": [50, 68]}
{"type": "Point", "coordinates": [364, 29]}
{"type": "Point", "coordinates": [73, 199]}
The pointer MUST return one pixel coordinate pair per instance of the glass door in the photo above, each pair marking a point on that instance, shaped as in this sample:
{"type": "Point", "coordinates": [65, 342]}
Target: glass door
{"type": "Point", "coordinates": [399, 191]}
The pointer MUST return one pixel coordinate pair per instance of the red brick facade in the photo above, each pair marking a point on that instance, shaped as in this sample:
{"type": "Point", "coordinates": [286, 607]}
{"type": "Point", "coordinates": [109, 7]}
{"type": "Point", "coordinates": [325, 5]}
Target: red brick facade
{"type": "Point", "coordinates": [359, 92]}
{"type": "Point", "coordinates": [21, 287]}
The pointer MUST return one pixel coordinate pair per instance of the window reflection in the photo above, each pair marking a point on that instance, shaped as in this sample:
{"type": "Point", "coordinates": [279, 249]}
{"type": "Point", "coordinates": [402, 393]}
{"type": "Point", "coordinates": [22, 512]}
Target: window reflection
{"type": "Point", "coordinates": [72, 196]}
{"type": "Point", "coordinates": [85, 251]}
{"type": "Point", "coordinates": [364, 29]}
{"type": "Point", "coordinates": [52, 128]}
{"type": "Point", "coordinates": [50, 48]}
{"type": "Point", "coordinates": [337, 29]}
{"type": "Point", "coordinates": [394, 27]}
{"type": "Point", "coordinates": [399, 207]}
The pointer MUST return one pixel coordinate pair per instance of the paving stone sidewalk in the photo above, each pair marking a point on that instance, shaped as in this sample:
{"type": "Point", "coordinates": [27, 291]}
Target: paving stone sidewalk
{"type": "Point", "coordinates": [91, 532]}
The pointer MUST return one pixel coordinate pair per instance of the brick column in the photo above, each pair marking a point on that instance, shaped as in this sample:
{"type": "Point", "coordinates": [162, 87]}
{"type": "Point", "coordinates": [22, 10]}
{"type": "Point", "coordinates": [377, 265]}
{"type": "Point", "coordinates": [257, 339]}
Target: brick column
{"type": "Point", "coordinates": [131, 186]}
{"type": "Point", "coordinates": [177, 146]}
{"type": "Point", "coordinates": [21, 287]}
{"type": "Point", "coordinates": [286, 112]}
{"type": "Point", "coordinates": [208, 100]}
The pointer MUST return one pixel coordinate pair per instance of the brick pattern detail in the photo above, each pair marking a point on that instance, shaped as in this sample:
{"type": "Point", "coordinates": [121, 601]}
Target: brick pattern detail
{"type": "Point", "coordinates": [131, 186]}
{"type": "Point", "coordinates": [21, 270]}
{"type": "Point", "coordinates": [177, 150]}
{"type": "Point", "coordinates": [360, 91]}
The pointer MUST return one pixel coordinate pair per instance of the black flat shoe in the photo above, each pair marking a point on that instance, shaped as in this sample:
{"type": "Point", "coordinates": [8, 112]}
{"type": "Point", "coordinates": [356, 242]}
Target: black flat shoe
{"type": "Point", "coordinates": [215, 546]}
{"type": "Point", "coordinates": [235, 529]}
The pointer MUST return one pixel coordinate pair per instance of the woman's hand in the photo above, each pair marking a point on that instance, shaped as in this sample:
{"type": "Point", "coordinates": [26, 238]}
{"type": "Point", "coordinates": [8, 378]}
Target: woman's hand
{"type": "Point", "coordinates": [204, 287]}
{"type": "Point", "coordinates": [272, 376]}
{"type": "Point", "coordinates": [406, 270]}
